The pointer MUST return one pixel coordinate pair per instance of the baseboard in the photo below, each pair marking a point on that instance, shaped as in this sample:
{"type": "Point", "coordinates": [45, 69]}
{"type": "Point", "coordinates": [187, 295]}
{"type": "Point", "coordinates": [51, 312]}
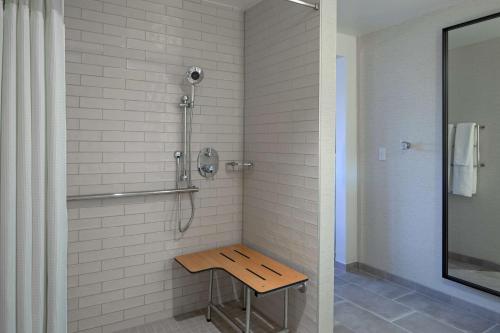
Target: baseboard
{"type": "Point", "coordinates": [452, 301]}
{"type": "Point", "coordinates": [352, 267]}
{"type": "Point", "coordinates": [488, 265]}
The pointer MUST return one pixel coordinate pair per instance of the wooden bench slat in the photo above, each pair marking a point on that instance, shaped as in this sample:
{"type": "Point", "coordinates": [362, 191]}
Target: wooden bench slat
{"type": "Point", "coordinates": [252, 268]}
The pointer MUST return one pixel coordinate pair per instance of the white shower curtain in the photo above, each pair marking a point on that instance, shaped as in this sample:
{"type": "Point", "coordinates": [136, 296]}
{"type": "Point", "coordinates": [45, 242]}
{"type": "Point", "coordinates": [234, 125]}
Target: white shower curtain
{"type": "Point", "coordinates": [33, 216]}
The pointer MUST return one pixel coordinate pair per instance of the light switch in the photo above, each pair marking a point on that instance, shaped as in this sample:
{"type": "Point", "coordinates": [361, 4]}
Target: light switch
{"type": "Point", "coordinates": [382, 156]}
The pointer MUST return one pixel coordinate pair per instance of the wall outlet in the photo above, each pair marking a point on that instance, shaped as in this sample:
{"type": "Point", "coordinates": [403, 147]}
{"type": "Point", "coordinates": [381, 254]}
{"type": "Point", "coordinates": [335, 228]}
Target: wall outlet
{"type": "Point", "coordinates": [382, 154]}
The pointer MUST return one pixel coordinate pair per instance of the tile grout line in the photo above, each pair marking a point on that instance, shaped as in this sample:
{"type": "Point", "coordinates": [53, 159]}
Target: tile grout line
{"type": "Point", "coordinates": [376, 315]}
{"type": "Point", "coordinates": [403, 316]}
{"type": "Point", "coordinates": [437, 319]}
{"type": "Point", "coordinates": [454, 307]}
{"type": "Point", "coordinates": [492, 327]}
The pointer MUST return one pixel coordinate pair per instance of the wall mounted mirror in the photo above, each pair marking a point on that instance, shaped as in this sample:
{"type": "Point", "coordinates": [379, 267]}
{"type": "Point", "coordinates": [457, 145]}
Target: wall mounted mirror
{"type": "Point", "coordinates": [471, 158]}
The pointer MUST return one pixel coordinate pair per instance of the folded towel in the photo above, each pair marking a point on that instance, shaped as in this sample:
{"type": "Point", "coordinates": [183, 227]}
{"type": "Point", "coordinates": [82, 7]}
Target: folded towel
{"type": "Point", "coordinates": [464, 169]}
{"type": "Point", "coordinates": [464, 144]}
{"type": "Point", "coordinates": [451, 142]}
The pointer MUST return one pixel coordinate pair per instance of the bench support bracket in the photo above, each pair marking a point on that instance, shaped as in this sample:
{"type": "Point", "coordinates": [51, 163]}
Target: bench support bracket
{"type": "Point", "coordinates": [210, 291]}
{"type": "Point", "coordinates": [247, 297]}
{"type": "Point", "coordinates": [248, 310]}
{"type": "Point", "coordinates": [285, 314]}
{"type": "Point", "coordinates": [243, 306]}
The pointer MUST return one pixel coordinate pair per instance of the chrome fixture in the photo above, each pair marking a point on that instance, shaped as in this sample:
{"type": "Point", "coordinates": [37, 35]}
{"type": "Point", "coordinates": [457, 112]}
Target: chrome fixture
{"type": "Point", "coordinates": [130, 194]}
{"type": "Point", "coordinates": [314, 6]}
{"type": "Point", "coordinates": [194, 76]}
{"type": "Point", "coordinates": [208, 162]}
{"type": "Point", "coordinates": [405, 145]}
{"type": "Point", "coordinates": [478, 149]}
{"type": "Point", "coordinates": [235, 165]}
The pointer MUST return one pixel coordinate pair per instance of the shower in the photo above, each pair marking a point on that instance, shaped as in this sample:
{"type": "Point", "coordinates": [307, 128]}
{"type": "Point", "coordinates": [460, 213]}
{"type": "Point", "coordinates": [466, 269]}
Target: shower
{"type": "Point", "coordinates": [194, 76]}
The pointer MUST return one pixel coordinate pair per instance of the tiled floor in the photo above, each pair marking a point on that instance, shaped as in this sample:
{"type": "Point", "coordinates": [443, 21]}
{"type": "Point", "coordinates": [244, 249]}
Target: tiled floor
{"type": "Point", "coordinates": [363, 304]}
{"type": "Point", "coordinates": [367, 304]}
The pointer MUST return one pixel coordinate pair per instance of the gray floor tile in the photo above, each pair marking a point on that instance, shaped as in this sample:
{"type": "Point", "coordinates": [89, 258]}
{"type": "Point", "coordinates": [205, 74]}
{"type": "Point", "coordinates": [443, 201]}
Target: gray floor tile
{"type": "Point", "coordinates": [337, 299]}
{"type": "Point", "coordinates": [375, 303]}
{"type": "Point", "coordinates": [362, 321]}
{"type": "Point", "coordinates": [385, 288]}
{"type": "Point", "coordinates": [443, 312]}
{"type": "Point", "coordinates": [340, 281]}
{"type": "Point", "coordinates": [342, 329]}
{"type": "Point", "coordinates": [495, 329]}
{"type": "Point", "coordinates": [358, 277]}
{"type": "Point", "coordinates": [420, 323]}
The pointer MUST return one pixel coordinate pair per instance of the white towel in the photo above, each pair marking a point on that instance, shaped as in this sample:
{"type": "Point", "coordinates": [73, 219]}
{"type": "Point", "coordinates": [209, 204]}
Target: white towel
{"type": "Point", "coordinates": [451, 143]}
{"type": "Point", "coordinates": [464, 170]}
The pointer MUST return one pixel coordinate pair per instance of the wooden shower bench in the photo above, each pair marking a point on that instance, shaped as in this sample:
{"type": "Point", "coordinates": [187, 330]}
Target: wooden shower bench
{"type": "Point", "coordinates": [254, 270]}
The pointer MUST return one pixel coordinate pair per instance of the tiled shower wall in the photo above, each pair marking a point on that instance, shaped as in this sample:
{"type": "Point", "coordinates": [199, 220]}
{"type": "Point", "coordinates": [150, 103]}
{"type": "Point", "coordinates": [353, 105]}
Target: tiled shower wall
{"type": "Point", "coordinates": [125, 65]}
{"type": "Point", "coordinates": [281, 137]}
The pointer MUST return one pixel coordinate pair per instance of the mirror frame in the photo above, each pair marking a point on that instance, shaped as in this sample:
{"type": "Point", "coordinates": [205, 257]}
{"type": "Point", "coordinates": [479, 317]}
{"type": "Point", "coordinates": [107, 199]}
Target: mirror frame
{"type": "Point", "coordinates": [445, 274]}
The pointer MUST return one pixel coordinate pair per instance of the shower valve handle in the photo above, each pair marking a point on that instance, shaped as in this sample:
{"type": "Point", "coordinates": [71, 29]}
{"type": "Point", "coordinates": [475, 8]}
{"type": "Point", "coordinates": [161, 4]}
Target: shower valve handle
{"type": "Point", "coordinates": [208, 168]}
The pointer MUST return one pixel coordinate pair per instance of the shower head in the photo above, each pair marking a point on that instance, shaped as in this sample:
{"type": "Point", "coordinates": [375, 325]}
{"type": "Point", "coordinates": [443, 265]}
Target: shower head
{"type": "Point", "coordinates": [194, 75]}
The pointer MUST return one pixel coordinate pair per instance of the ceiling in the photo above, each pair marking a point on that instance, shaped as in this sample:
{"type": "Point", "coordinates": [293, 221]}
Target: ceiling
{"type": "Point", "coordinates": [359, 17]}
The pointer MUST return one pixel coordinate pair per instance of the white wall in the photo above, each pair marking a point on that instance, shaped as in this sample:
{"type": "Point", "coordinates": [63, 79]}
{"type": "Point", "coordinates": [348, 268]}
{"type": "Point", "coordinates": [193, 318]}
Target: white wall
{"type": "Point", "coordinates": [400, 98]}
{"type": "Point", "coordinates": [473, 84]}
{"type": "Point", "coordinates": [346, 227]}
{"type": "Point", "coordinates": [125, 65]}
{"type": "Point", "coordinates": [341, 241]}
{"type": "Point", "coordinates": [281, 137]}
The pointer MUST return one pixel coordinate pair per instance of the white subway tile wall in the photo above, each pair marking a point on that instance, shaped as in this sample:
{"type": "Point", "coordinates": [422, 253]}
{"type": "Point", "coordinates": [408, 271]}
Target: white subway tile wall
{"type": "Point", "coordinates": [125, 65]}
{"type": "Point", "coordinates": [281, 137]}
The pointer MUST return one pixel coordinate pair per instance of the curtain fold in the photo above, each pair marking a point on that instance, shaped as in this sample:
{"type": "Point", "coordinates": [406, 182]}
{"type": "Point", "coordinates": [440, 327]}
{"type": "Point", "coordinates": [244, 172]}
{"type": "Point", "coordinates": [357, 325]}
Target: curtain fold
{"type": "Point", "coordinates": [8, 173]}
{"type": "Point", "coordinates": [24, 212]}
{"type": "Point", "coordinates": [33, 215]}
{"type": "Point", "coordinates": [39, 163]}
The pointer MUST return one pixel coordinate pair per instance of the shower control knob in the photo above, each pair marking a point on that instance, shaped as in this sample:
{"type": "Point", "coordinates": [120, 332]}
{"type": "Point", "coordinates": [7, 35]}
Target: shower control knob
{"type": "Point", "coordinates": [208, 162]}
{"type": "Point", "coordinates": [208, 168]}
{"type": "Point", "coordinates": [405, 145]}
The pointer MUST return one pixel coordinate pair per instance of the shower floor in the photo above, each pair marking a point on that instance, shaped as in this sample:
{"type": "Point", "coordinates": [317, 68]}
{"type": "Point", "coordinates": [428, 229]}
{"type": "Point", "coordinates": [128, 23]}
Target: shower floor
{"type": "Point", "coordinates": [195, 322]}
{"type": "Point", "coordinates": [363, 304]}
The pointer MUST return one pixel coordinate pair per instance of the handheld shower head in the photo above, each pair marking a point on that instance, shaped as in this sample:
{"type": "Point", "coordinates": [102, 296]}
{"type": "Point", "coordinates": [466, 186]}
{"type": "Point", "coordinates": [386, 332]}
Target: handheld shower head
{"type": "Point", "coordinates": [194, 75]}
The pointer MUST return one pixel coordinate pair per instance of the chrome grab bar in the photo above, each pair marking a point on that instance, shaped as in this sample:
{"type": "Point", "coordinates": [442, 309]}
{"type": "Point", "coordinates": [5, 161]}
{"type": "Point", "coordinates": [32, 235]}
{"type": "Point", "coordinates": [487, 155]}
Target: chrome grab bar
{"type": "Point", "coordinates": [130, 194]}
